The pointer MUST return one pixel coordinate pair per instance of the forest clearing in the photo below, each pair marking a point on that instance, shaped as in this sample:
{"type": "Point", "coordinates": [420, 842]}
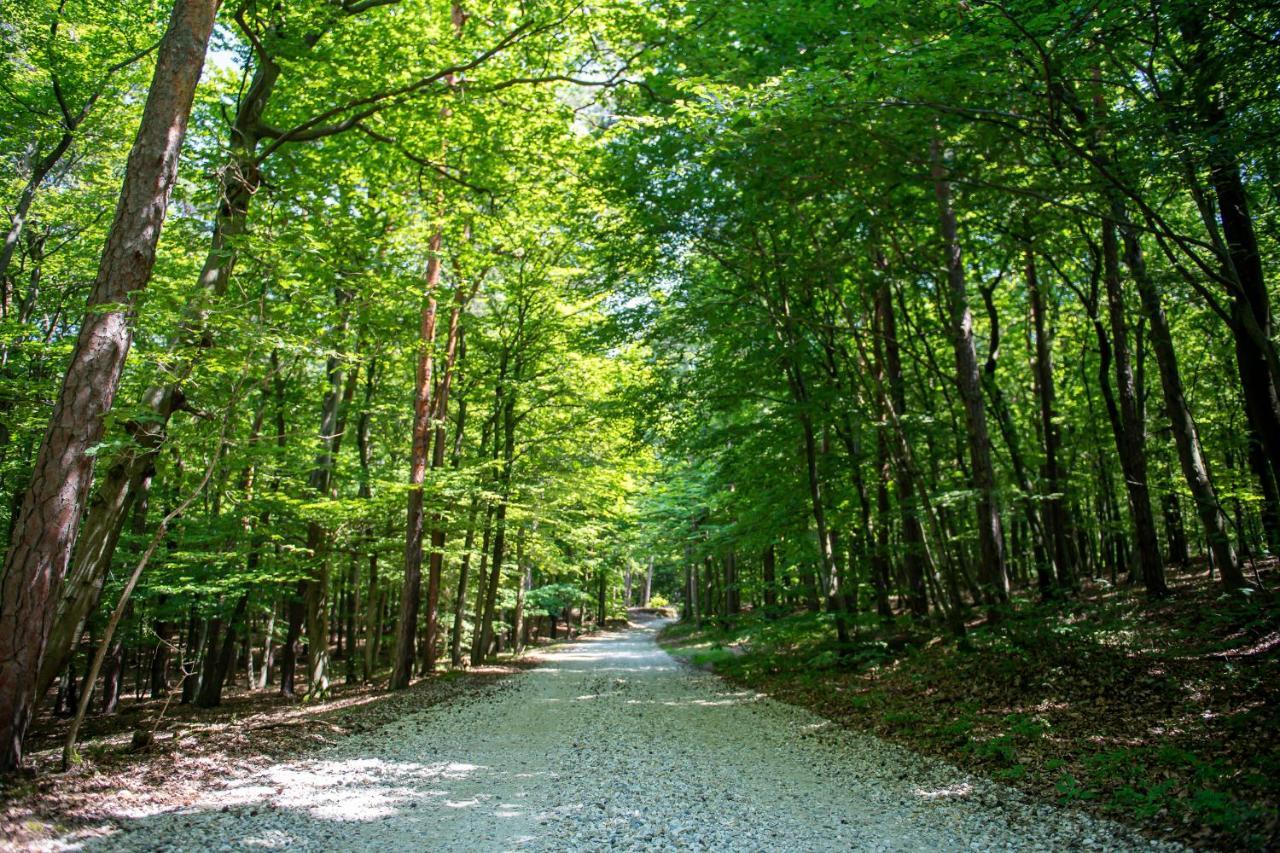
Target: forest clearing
{"type": "Point", "coordinates": [403, 400]}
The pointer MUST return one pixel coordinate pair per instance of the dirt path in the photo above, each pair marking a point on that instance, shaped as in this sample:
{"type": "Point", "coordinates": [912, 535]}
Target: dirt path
{"type": "Point", "coordinates": [613, 745]}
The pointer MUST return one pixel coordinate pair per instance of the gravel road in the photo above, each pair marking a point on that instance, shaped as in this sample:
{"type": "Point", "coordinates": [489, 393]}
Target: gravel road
{"type": "Point", "coordinates": [611, 744]}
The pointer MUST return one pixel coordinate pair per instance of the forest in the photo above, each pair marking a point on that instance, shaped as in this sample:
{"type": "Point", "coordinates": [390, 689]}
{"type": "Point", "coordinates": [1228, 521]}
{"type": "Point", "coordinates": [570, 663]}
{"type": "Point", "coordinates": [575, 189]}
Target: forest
{"type": "Point", "coordinates": [352, 343]}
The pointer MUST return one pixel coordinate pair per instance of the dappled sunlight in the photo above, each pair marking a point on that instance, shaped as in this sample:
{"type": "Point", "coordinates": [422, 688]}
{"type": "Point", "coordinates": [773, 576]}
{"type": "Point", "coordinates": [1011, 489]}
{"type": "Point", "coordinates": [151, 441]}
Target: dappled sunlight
{"type": "Point", "coordinates": [950, 792]}
{"type": "Point", "coordinates": [354, 790]}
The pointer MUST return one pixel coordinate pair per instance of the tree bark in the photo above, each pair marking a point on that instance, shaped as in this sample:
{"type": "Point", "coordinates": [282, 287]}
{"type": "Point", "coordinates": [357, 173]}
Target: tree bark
{"type": "Point", "coordinates": [482, 579]}
{"type": "Point", "coordinates": [1131, 442]}
{"type": "Point", "coordinates": [218, 657]}
{"type": "Point", "coordinates": [36, 562]}
{"type": "Point", "coordinates": [1045, 573]}
{"type": "Point", "coordinates": [508, 431]}
{"type": "Point", "coordinates": [992, 573]}
{"type": "Point", "coordinates": [411, 598]}
{"type": "Point", "coordinates": [1054, 517]}
{"type": "Point", "coordinates": [160, 658]}
{"type": "Point", "coordinates": [648, 581]}
{"type": "Point", "coordinates": [914, 558]}
{"type": "Point", "coordinates": [1186, 437]}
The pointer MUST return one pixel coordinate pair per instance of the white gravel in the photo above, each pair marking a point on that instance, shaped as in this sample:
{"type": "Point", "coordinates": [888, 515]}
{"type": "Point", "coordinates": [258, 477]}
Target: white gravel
{"type": "Point", "coordinates": [612, 745]}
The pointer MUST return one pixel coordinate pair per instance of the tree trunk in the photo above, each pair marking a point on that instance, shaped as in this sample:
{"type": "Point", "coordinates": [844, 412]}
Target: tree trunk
{"type": "Point", "coordinates": [880, 561]}
{"type": "Point", "coordinates": [1054, 519]}
{"type": "Point", "coordinates": [1045, 572]}
{"type": "Point", "coordinates": [18, 220]}
{"type": "Point", "coordinates": [53, 503]}
{"type": "Point", "coordinates": [732, 595]}
{"type": "Point", "coordinates": [219, 656]}
{"type": "Point", "coordinates": [112, 678]}
{"type": "Point", "coordinates": [411, 598]}
{"type": "Point", "coordinates": [191, 656]}
{"type": "Point", "coordinates": [316, 598]}
{"type": "Point", "coordinates": [1131, 442]}
{"type": "Point", "coordinates": [914, 559]}
{"type": "Point", "coordinates": [768, 572]}
{"type": "Point", "coordinates": [464, 571]}
{"type": "Point", "coordinates": [992, 573]}
{"type": "Point", "coordinates": [500, 523]}
{"type": "Point", "coordinates": [526, 583]}
{"type": "Point", "coordinates": [482, 580]}
{"type": "Point", "coordinates": [1186, 437]}
{"type": "Point", "coordinates": [160, 658]}
{"type": "Point", "coordinates": [268, 644]}
{"type": "Point", "coordinates": [648, 581]}
{"type": "Point", "coordinates": [454, 349]}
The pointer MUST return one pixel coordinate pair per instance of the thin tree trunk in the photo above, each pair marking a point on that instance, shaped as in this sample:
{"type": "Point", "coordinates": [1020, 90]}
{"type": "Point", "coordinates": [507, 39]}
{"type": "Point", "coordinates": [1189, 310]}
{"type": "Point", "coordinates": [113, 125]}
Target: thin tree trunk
{"type": "Point", "coordinates": [648, 581]}
{"type": "Point", "coordinates": [500, 522]}
{"type": "Point", "coordinates": [268, 635]}
{"type": "Point", "coordinates": [890, 367]}
{"type": "Point", "coordinates": [1045, 573]}
{"type": "Point", "coordinates": [517, 622]}
{"type": "Point", "coordinates": [460, 600]}
{"type": "Point", "coordinates": [219, 658]}
{"type": "Point", "coordinates": [1131, 442]}
{"type": "Point", "coordinates": [1195, 468]}
{"type": "Point", "coordinates": [1054, 478]}
{"type": "Point", "coordinates": [992, 573]}
{"type": "Point", "coordinates": [482, 579]}
{"type": "Point", "coordinates": [160, 658]}
{"type": "Point", "coordinates": [112, 677]}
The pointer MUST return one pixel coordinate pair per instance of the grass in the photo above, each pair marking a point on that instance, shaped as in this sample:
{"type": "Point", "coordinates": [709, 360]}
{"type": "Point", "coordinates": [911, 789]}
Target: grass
{"type": "Point", "coordinates": [1160, 714]}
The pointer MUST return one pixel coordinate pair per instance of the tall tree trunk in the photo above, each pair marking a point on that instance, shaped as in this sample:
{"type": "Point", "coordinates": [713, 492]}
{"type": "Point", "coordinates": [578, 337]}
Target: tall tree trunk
{"type": "Point", "coordinates": [880, 555]}
{"type": "Point", "coordinates": [464, 571]}
{"type": "Point", "coordinates": [1131, 442]}
{"type": "Point", "coordinates": [1045, 572]}
{"type": "Point", "coordinates": [1055, 524]}
{"type": "Point", "coordinates": [337, 398]}
{"type": "Point", "coordinates": [411, 597]}
{"type": "Point", "coordinates": [992, 573]}
{"type": "Point", "coordinates": [482, 580]}
{"type": "Point", "coordinates": [914, 559]}
{"type": "Point", "coordinates": [1186, 437]}
{"type": "Point", "coordinates": [508, 432]}
{"type": "Point", "coordinates": [518, 626]}
{"type": "Point", "coordinates": [455, 348]}
{"type": "Point", "coordinates": [53, 503]}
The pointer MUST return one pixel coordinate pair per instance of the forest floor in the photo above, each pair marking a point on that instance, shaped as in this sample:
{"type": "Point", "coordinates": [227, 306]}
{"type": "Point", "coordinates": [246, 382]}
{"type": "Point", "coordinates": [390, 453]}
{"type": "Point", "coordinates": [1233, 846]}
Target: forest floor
{"type": "Point", "coordinates": [1159, 713]}
{"type": "Point", "coordinates": [193, 748]}
{"type": "Point", "coordinates": [607, 744]}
